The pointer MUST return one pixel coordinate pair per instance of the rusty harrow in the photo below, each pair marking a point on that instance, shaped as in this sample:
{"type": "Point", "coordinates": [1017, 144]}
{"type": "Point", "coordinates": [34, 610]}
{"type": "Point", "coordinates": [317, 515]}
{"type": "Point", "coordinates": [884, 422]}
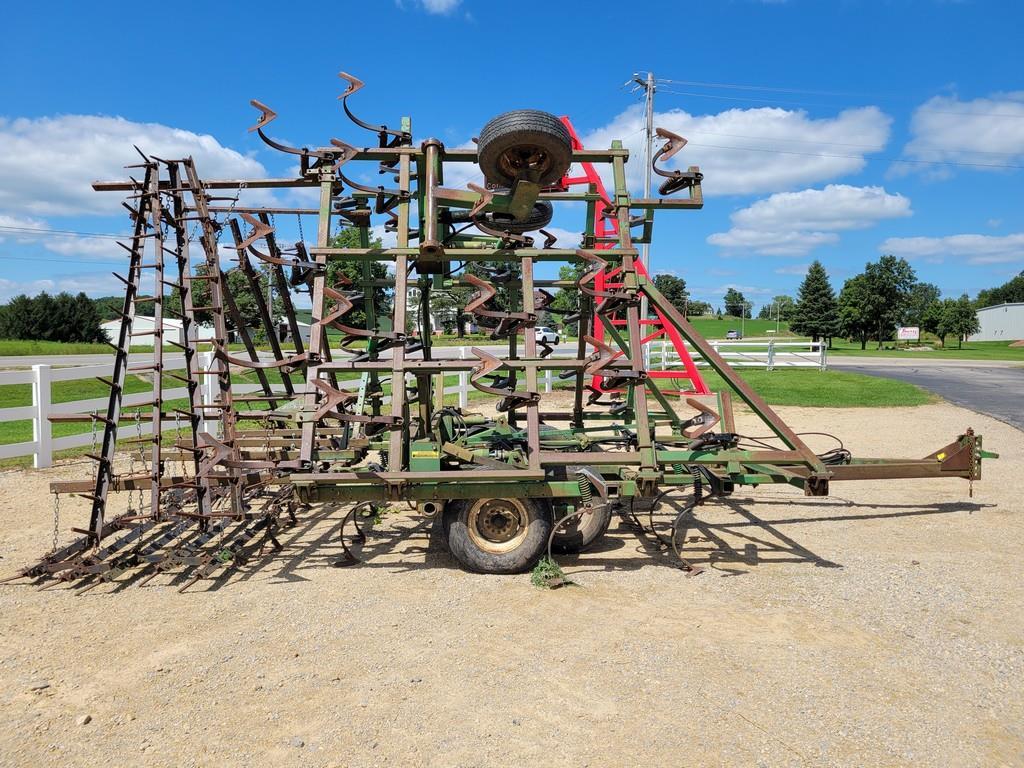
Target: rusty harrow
{"type": "Point", "coordinates": [356, 412]}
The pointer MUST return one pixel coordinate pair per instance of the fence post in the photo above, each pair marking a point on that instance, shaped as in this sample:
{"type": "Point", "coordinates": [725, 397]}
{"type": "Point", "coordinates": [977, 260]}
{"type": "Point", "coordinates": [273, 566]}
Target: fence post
{"type": "Point", "coordinates": [771, 354]}
{"type": "Point", "coordinates": [42, 435]}
{"type": "Point", "coordinates": [463, 381]}
{"type": "Point", "coordinates": [823, 365]}
{"type": "Point", "coordinates": [208, 394]}
{"type": "Point", "coordinates": [547, 380]}
{"type": "Point", "coordinates": [664, 354]}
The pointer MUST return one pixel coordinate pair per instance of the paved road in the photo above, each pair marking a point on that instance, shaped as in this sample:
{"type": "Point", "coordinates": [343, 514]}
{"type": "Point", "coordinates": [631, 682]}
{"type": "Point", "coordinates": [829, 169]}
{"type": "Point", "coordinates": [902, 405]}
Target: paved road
{"type": "Point", "coordinates": [996, 391]}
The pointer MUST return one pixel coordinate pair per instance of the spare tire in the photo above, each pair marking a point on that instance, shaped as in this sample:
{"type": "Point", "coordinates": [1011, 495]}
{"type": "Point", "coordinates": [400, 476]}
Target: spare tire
{"type": "Point", "coordinates": [539, 216]}
{"type": "Point", "coordinates": [524, 143]}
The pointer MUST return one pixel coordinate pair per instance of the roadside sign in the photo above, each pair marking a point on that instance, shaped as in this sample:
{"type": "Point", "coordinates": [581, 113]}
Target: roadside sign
{"type": "Point", "coordinates": [908, 333]}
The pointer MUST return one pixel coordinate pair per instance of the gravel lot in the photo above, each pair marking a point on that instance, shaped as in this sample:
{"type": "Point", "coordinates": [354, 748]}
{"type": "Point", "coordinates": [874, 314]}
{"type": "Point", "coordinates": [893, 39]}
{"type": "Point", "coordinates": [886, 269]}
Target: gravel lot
{"type": "Point", "coordinates": [882, 626]}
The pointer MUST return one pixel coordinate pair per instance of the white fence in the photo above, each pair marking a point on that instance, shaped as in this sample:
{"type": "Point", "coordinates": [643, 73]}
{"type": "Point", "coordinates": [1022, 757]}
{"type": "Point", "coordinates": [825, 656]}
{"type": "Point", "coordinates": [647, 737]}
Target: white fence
{"type": "Point", "coordinates": [41, 377]}
{"type": "Point", "coordinates": [770, 355]}
{"type": "Point", "coordinates": [750, 354]}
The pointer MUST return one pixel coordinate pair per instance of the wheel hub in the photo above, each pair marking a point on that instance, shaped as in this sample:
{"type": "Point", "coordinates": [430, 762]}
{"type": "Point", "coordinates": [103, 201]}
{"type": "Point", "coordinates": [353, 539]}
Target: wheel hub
{"type": "Point", "coordinates": [533, 161]}
{"type": "Point", "coordinates": [497, 525]}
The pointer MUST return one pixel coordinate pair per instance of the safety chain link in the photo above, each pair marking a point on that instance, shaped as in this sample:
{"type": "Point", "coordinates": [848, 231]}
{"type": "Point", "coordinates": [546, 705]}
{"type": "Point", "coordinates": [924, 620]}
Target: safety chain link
{"type": "Point", "coordinates": [56, 520]}
{"type": "Point", "coordinates": [142, 454]}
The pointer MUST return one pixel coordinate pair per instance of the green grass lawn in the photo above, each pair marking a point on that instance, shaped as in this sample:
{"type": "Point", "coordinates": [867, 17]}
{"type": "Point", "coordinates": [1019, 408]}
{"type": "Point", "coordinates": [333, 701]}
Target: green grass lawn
{"type": "Point", "coordinates": [714, 328]}
{"type": "Point", "coordinates": [18, 347]}
{"type": "Point", "coordinates": [972, 350]}
{"type": "Point", "coordinates": [826, 389]}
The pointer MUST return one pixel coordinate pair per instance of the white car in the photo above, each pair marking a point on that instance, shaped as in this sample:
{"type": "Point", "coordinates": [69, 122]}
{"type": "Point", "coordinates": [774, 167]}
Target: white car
{"type": "Point", "coordinates": [545, 335]}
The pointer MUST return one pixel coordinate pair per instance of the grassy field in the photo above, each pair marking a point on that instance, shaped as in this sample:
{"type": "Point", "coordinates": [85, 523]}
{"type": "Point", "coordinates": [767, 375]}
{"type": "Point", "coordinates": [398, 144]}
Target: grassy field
{"type": "Point", "coordinates": [972, 350]}
{"type": "Point", "coordinates": [716, 328]}
{"type": "Point", "coordinates": [827, 389]}
{"type": "Point", "coordinates": [18, 347]}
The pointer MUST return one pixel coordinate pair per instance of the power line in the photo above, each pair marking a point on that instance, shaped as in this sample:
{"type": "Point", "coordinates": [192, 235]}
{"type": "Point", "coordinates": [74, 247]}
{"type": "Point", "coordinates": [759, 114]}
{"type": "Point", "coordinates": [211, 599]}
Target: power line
{"type": "Point", "coordinates": [871, 147]}
{"type": "Point", "coordinates": [736, 86]}
{"type": "Point", "coordinates": [858, 157]}
{"type": "Point", "coordinates": [74, 260]}
{"type": "Point", "coordinates": [47, 231]}
{"type": "Point", "coordinates": [751, 100]}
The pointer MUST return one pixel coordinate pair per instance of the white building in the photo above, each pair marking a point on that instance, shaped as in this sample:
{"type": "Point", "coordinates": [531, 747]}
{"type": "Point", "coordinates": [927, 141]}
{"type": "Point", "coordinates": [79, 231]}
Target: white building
{"type": "Point", "coordinates": [1003, 322]}
{"type": "Point", "coordinates": [284, 331]}
{"type": "Point", "coordinates": [173, 331]}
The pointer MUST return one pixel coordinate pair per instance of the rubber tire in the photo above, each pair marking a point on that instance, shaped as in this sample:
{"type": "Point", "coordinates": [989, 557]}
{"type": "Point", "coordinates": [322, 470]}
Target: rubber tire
{"type": "Point", "coordinates": [591, 527]}
{"type": "Point", "coordinates": [557, 339]}
{"type": "Point", "coordinates": [524, 126]}
{"type": "Point", "coordinates": [539, 217]}
{"type": "Point", "coordinates": [519, 560]}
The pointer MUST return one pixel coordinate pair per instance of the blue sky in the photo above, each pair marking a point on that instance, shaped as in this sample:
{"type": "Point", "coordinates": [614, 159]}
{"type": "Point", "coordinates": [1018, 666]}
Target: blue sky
{"type": "Point", "coordinates": [829, 130]}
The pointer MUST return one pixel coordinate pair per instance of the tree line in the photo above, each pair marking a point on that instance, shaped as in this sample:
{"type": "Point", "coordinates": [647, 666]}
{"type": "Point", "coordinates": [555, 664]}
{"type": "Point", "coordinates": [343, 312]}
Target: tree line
{"type": "Point", "coordinates": [51, 318]}
{"type": "Point", "coordinates": [869, 307]}
{"type": "Point", "coordinates": [873, 303]}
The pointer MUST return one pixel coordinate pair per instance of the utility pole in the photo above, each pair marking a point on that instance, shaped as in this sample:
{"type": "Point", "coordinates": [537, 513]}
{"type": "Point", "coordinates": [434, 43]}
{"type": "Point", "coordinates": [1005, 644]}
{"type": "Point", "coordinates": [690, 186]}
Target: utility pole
{"type": "Point", "coordinates": [645, 253]}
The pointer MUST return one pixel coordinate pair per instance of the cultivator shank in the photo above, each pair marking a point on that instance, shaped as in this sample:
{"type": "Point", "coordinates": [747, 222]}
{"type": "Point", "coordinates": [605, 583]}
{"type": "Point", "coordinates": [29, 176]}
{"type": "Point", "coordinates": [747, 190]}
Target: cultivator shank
{"type": "Point", "coordinates": [359, 410]}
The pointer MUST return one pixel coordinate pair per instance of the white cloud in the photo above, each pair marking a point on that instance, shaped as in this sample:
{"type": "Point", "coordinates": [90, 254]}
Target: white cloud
{"type": "Point", "coordinates": [987, 133]}
{"type": "Point", "coordinates": [836, 207]}
{"type": "Point", "coordinates": [388, 239]}
{"type": "Point", "coordinates": [19, 228]}
{"type": "Point", "coordinates": [744, 289]}
{"type": "Point", "coordinates": [772, 243]}
{"type": "Point", "coordinates": [977, 249]}
{"type": "Point", "coordinates": [48, 164]}
{"type": "Point", "coordinates": [730, 147]}
{"type": "Point", "coordinates": [441, 7]}
{"type": "Point", "coordinates": [566, 238]}
{"type": "Point", "coordinates": [793, 269]}
{"type": "Point", "coordinates": [85, 248]}
{"type": "Point", "coordinates": [794, 223]}
{"type": "Point", "coordinates": [101, 284]}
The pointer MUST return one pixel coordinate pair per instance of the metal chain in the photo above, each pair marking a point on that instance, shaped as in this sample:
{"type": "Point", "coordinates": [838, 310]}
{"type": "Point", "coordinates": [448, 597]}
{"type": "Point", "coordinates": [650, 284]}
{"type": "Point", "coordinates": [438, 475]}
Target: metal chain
{"type": "Point", "coordinates": [94, 437]}
{"type": "Point", "coordinates": [142, 455]}
{"type": "Point", "coordinates": [231, 209]}
{"type": "Point", "coordinates": [302, 237]}
{"type": "Point", "coordinates": [56, 520]}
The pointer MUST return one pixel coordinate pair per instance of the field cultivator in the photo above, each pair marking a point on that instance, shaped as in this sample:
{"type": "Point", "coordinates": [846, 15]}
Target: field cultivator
{"type": "Point", "coordinates": [356, 413]}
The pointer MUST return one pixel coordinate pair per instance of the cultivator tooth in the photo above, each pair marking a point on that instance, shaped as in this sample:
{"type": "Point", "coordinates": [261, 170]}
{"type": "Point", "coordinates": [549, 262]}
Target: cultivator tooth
{"type": "Point", "coordinates": [216, 489]}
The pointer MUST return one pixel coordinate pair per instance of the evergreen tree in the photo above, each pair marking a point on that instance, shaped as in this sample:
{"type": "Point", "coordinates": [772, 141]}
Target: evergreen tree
{"type": "Point", "coordinates": [15, 318]}
{"type": "Point", "coordinates": [87, 320]}
{"type": "Point", "coordinates": [816, 313]}
{"type": "Point", "coordinates": [62, 317]}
